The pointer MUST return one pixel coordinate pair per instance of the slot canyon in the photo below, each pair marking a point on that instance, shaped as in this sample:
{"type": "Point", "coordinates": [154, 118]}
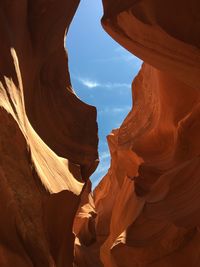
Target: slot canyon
{"type": "Point", "coordinates": [145, 212]}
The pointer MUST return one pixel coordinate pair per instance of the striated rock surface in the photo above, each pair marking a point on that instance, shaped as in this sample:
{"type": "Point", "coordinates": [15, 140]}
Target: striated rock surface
{"type": "Point", "coordinates": [147, 207]}
{"type": "Point", "coordinates": [145, 211]}
{"type": "Point", "coordinates": [48, 148]}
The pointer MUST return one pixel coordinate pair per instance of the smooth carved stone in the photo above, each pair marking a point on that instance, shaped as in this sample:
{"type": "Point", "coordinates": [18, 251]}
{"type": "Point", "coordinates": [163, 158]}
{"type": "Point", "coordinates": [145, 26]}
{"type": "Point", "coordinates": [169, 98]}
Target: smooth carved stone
{"type": "Point", "coordinates": [147, 204]}
{"type": "Point", "coordinates": [48, 137]}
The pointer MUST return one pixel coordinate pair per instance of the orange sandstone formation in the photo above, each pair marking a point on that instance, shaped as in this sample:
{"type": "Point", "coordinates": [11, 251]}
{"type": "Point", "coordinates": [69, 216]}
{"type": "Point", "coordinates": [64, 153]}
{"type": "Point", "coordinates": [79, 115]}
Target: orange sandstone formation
{"type": "Point", "coordinates": [147, 207]}
{"type": "Point", "coordinates": [48, 148]}
{"type": "Point", "coordinates": [145, 211]}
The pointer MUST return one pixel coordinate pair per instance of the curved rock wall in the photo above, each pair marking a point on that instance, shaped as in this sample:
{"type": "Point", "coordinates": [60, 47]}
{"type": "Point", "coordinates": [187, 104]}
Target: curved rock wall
{"type": "Point", "coordinates": [145, 211]}
{"type": "Point", "coordinates": [48, 148]}
{"type": "Point", "coordinates": [147, 206]}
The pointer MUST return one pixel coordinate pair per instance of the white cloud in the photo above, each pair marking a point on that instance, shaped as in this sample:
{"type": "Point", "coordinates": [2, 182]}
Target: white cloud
{"type": "Point", "coordinates": [118, 110]}
{"type": "Point", "coordinates": [102, 168]}
{"type": "Point", "coordinates": [115, 110]}
{"type": "Point", "coordinates": [104, 155]}
{"type": "Point", "coordinates": [116, 85]}
{"type": "Point", "coordinates": [89, 83]}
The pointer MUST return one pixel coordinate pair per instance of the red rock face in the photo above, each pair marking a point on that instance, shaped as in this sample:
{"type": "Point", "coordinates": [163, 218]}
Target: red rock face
{"type": "Point", "coordinates": [47, 148]}
{"type": "Point", "coordinates": [145, 211]}
{"type": "Point", "coordinates": [147, 206]}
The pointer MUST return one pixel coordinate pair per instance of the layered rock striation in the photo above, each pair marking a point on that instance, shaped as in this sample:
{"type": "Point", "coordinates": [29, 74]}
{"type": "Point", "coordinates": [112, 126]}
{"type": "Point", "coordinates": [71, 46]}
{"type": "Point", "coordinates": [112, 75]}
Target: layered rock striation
{"type": "Point", "coordinates": [145, 211]}
{"type": "Point", "coordinates": [48, 147]}
{"type": "Point", "coordinates": [147, 206]}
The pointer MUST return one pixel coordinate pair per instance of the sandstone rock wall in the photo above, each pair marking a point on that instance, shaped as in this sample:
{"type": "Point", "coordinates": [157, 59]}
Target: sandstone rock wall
{"type": "Point", "coordinates": [145, 211]}
{"type": "Point", "coordinates": [47, 148]}
{"type": "Point", "coordinates": [147, 206]}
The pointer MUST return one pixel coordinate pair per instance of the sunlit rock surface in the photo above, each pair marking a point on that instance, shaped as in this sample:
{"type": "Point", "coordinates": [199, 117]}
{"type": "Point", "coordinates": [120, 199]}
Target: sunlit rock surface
{"type": "Point", "coordinates": [48, 137]}
{"type": "Point", "coordinates": [146, 210]}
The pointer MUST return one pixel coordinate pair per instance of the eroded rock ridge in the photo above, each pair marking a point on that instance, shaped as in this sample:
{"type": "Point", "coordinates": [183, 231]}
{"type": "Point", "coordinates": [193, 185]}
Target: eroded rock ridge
{"type": "Point", "coordinates": [145, 211]}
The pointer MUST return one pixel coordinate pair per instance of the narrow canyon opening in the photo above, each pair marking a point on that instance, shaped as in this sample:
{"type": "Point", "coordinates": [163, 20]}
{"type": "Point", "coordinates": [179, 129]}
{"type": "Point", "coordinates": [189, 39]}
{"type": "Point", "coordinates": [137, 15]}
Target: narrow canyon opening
{"type": "Point", "coordinates": [145, 211]}
{"type": "Point", "coordinates": [101, 74]}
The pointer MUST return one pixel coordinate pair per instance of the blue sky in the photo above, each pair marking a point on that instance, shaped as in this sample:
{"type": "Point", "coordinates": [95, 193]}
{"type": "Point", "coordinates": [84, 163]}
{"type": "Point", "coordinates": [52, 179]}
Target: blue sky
{"type": "Point", "coordinates": [101, 73]}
